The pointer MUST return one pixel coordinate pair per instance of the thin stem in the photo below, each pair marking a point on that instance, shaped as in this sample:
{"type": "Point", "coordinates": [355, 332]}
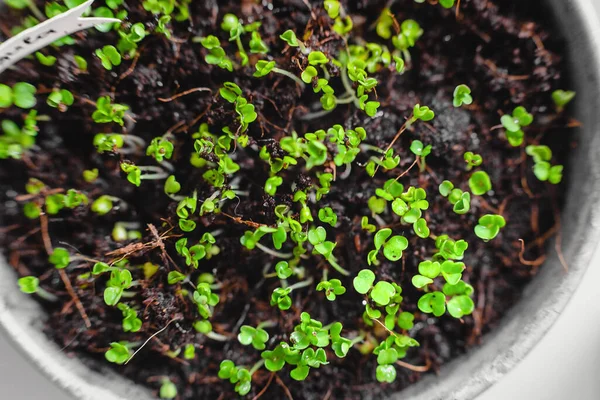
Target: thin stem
{"type": "Point", "coordinates": [133, 140]}
{"type": "Point", "coordinates": [291, 76]}
{"type": "Point", "coordinates": [348, 86]}
{"type": "Point", "coordinates": [301, 284]}
{"type": "Point", "coordinates": [266, 324]}
{"type": "Point", "coordinates": [216, 336]}
{"type": "Point", "coordinates": [273, 252]}
{"type": "Point", "coordinates": [240, 46]}
{"type": "Point", "coordinates": [256, 366]}
{"type": "Point", "coordinates": [334, 264]}
{"type": "Point", "coordinates": [44, 294]}
{"type": "Point", "coordinates": [357, 339]}
{"type": "Point", "coordinates": [345, 100]}
{"type": "Point", "coordinates": [315, 115]}
{"type": "Point", "coordinates": [325, 272]}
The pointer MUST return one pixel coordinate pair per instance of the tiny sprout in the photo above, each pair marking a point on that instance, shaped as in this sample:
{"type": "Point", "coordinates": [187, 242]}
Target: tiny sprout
{"type": "Point", "coordinates": [489, 226]}
{"type": "Point", "coordinates": [463, 204]}
{"type": "Point", "coordinates": [445, 188]}
{"type": "Point", "coordinates": [60, 258]}
{"type": "Point", "coordinates": [290, 38]}
{"type": "Point", "coordinates": [257, 46]}
{"type": "Point", "coordinates": [272, 184]}
{"type": "Point", "coordinates": [434, 302]}
{"type": "Point", "coordinates": [542, 168]}
{"type": "Point", "coordinates": [90, 175]}
{"type": "Point", "coordinates": [317, 58]}
{"type": "Point", "coordinates": [447, 4]}
{"type": "Point", "coordinates": [561, 98]}
{"type": "Point", "coordinates": [385, 373]}
{"type": "Point", "coordinates": [332, 288]}
{"type": "Point", "coordinates": [283, 270]}
{"type": "Point", "coordinates": [328, 216]}
{"type": "Point", "coordinates": [363, 282]}
{"type": "Point", "coordinates": [131, 323]}
{"type": "Point", "coordinates": [116, 285]}
{"type": "Point", "coordinates": [280, 297]}
{"type": "Point", "coordinates": [230, 21]}
{"type": "Point", "coordinates": [189, 353]}
{"type": "Point", "coordinates": [109, 57]}
{"type": "Point", "coordinates": [462, 94]}
{"type": "Point", "coordinates": [308, 74]}
{"type": "Point", "coordinates": [418, 149]}
{"type": "Point", "coordinates": [514, 123]}
{"type": "Point", "coordinates": [60, 99]}
{"type": "Point", "coordinates": [365, 225]}
{"type": "Point", "coordinates": [22, 95]}
{"type": "Point", "coordinates": [160, 149]}
{"type": "Point", "coordinates": [168, 390]}
{"type": "Point", "coordinates": [382, 293]}
{"type": "Point", "coordinates": [332, 7]}
{"type": "Point", "coordinates": [103, 204]}
{"type": "Point", "coordinates": [174, 277]}
{"type": "Point", "coordinates": [257, 337]}
{"type": "Point", "coordinates": [472, 159]}
{"type": "Point", "coordinates": [171, 185]}
{"type": "Point", "coordinates": [45, 60]}
{"type": "Point", "coordinates": [29, 284]}
{"type": "Point", "coordinates": [118, 353]}
{"type": "Point", "coordinates": [422, 113]}
{"type": "Point", "coordinates": [480, 183]}
{"type": "Point", "coordinates": [106, 112]}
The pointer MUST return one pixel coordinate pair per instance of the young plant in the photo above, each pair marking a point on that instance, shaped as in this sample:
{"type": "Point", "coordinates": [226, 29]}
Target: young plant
{"type": "Point", "coordinates": [489, 226]}
{"type": "Point", "coordinates": [462, 95]}
{"type": "Point", "coordinates": [514, 125]}
{"type": "Point", "coordinates": [561, 98]}
{"type": "Point", "coordinates": [21, 94]}
{"type": "Point", "coordinates": [542, 169]}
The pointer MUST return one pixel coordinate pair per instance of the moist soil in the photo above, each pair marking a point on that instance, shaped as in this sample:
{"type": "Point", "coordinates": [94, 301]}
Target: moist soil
{"type": "Point", "coordinates": [508, 53]}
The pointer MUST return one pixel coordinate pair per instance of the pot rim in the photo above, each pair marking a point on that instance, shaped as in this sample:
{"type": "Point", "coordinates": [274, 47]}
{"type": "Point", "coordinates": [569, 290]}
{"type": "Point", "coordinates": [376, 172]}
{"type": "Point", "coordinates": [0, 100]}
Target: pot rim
{"type": "Point", "coordinates": [21, 322]}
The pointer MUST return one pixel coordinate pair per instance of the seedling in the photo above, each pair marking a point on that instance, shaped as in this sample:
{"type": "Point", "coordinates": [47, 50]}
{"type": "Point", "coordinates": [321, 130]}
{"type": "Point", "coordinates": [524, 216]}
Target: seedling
{"type": "Point", "coordinates": [60, 99]}
{"type": "Point", "coordinates": [107, 112]}
{"type": "Point", "coordinates": [480, 183]}
{"type": "Point", "coordinates": [462, 93]}
{"type": "Point", "coordinates": [542, 168]}
{"type": "Point", "coordinates": [472, 160]}
{"type": "Point", "coordinates": [22, 95]}
{"type": "Point", "coordinates": [561, 98]}
{"type": "Point", "coordinates": [168, 390]}
{"type": "Point", "coordinates": [109, 57]}
{"type": "Point", "coordinates": [489, 226]}
{"type": "Point", "coordinates": [514, 124]}
{"type": "Point", "coordinates": [421, 151]}
{"type": "Point", "coordinates": [119, 352]}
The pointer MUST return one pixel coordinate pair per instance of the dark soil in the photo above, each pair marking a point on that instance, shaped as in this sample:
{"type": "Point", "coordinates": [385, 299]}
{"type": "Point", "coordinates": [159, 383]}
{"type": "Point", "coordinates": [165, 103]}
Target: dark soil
{"type": "Point", "coordinates": [502, 50]}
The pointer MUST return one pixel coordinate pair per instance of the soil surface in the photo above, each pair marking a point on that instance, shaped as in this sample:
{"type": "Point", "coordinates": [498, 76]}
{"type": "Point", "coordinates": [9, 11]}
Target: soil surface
{"type": "Point", "coordinates": [508, 53]}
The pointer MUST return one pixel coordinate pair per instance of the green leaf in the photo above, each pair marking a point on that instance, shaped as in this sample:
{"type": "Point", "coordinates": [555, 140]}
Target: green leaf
{"type": "Point", "coordinates": [562, 97]}
{"type": "Point", "coordinates": [458, 306]}
{"type": "Point", "coordinates": [420, 281]}
{"type": "Point", "coordinates": [394, 247]}
{"type": "Point", "coordinates": [363, 282]}
{"type": "Point", "coordinates": [60, 258]}
{"type": "Point", "coordinates": [480, 183]}
{"type": "Point", "coordinates": [434, 302]}
{"type": "Point", "coordinates": [387, 356]}
{"type": "Point", "coordinates": [385, 373]}
{"type": "Point", "coordinates": [430, 269]}
{"type": "Point", "coordinates": [28, 284]}
{"type": "Point", "coordinates": [382, 293]}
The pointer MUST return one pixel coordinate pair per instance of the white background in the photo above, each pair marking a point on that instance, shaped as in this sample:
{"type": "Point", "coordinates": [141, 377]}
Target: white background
{"type": "Point", "coordinates": [565, 364]}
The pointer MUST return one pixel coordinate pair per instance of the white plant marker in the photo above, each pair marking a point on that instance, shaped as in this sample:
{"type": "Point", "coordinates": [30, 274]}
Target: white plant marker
{"type": "Point", "coordinates": [41, 35]}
